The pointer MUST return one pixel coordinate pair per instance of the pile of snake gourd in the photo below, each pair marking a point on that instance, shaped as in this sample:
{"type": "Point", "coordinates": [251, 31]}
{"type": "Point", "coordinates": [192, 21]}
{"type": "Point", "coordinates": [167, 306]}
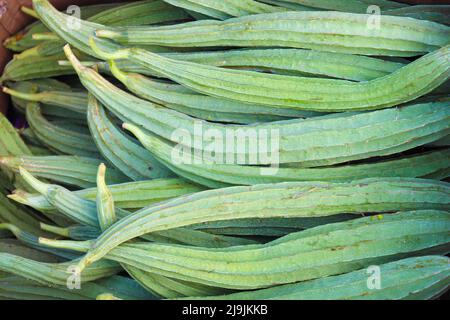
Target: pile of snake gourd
{"type": "Point", "coordinates": [90, 190]}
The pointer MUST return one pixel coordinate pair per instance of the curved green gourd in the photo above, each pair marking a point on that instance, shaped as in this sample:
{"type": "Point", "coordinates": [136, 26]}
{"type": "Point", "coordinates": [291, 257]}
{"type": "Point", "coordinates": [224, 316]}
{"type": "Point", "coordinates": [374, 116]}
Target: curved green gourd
{"type": "Point", "coordinates": [295, 199]}
{"type": "Point", "coordinates": [314, 253]}
{"type": "Point", "coordinates": [318, 30]}
{"type": "Point", "coordinates": [433, 165]}
{"type": "Point", "coordinates": [384, 132]}
{"type": "Point", "coordinates": [409, 278]}
{"type": "Point", "coordinates": [303, 93]}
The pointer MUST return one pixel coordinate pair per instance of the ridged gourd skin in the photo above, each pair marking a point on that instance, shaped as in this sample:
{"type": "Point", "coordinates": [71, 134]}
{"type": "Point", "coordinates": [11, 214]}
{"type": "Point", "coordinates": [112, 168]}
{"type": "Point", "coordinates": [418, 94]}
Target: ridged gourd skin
{"type": "Point", "coordinates": [314, 253]}
{"type": "Point", "coordinates": [432, 165]}
{"type": "Point", "coordinates": [320, 30]}
{"type": "Point", "coordinates": [303, 93]}
{"type": "Point", "coordinates": [383, 132]}
{"type": "Point", "coordinates": [124, 153]}
{"type": "Point", "coordinates": [414, 278]}
{"type": "Point", "coordinates": [123, 168]}
{"type": "Point", "coordinates": [296, 199]}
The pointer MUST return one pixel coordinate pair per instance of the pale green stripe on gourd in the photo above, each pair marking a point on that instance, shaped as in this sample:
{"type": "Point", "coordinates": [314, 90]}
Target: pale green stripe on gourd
{"type": "Point", "coordinates": [434, 164]}
{"type": "Point", "coordinates": [289, 199]}
{"type": "Point", "coordinates": [70, 170]}
{"type": "Point", "coordinates": [316, 94]}
{"type": "Point", "coordinates": [128, 195]}
{"type": "Point", "coordinates": [319, 30]}
{"type": "Point", "coordinates": [322, 251]}
{"type": "Point", "coordinates": [402, 279]}
{"type": "Point", "coordinates": [126, 155]}
{"type": "Point", "coordinates": [383, 132]}
{"type": "Point", "coordinates": [59, 139]}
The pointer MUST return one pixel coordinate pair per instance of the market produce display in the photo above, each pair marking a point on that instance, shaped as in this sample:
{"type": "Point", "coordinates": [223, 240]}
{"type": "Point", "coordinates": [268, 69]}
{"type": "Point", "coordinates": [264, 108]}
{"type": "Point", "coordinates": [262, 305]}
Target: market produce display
{"type": "Point", "coordinates": [227, 150]}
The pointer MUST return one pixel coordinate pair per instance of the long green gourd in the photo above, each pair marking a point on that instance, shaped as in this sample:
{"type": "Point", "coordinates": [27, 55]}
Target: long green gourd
{"type": "Point", "coordinates": [85, 212]}
{"type": "Point", "coordinates": [128, 195]}
{"type": "Point", "coordinates": [124, 153]}
{"type": "Point", "coordinates": [430, 165]}
{"type": "Point", "coordinates": [294, 199]}
{"type": "Point", "coordinates": [416, 278]}
{"type": "Point", "coordinates": [383, 132]}
{"type": "Point", "coordinates": [256, 227]}
{"type": "Point", "coordinates": [326, 95]}
{"type": "Point", "coordinates": [57, 138]}
{"type": "Point", "coordinates": [318, 30]}
{"type": "Point", "coordinates": [70, 170]}
{"type": "Point", "coordinates": [314, 253]}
